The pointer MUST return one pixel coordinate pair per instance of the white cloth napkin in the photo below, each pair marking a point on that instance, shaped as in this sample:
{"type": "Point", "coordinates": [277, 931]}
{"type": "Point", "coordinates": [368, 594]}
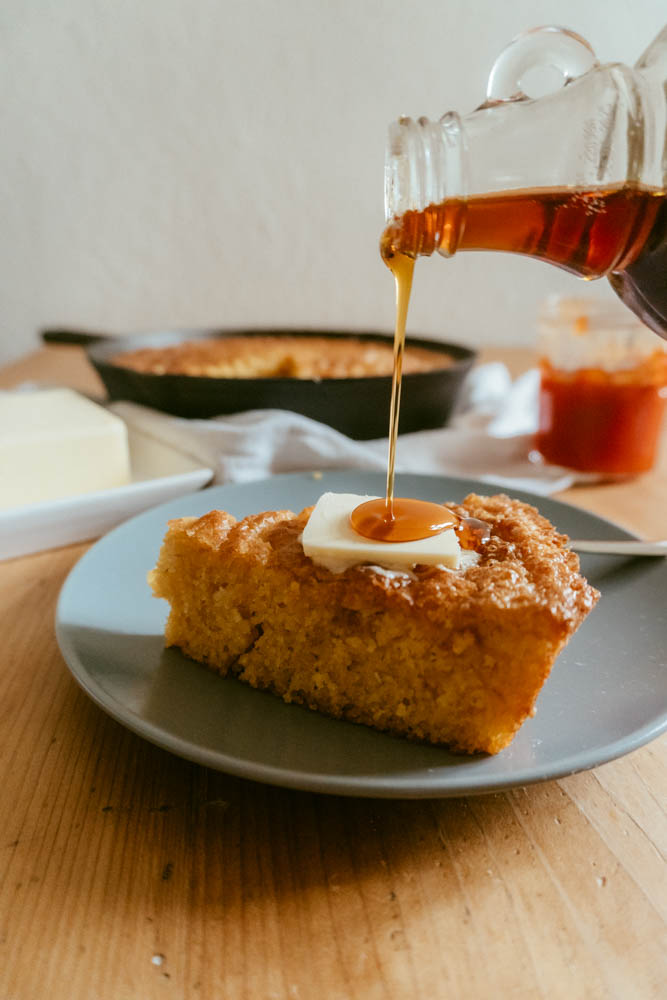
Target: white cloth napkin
{"type": "Point", "coordinates": [489, 438]}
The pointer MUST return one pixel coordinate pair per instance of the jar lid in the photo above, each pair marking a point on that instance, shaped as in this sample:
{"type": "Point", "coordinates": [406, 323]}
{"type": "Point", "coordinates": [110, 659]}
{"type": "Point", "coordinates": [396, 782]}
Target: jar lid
{"type": "Point", "coordinates": [588, 332]}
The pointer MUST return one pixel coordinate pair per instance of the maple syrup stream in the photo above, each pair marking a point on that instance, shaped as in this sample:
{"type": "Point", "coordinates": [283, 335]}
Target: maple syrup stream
{"type": "Point", "coordinates": [402, 267]}
{"type": "Point", "coordinates": [405, 519]}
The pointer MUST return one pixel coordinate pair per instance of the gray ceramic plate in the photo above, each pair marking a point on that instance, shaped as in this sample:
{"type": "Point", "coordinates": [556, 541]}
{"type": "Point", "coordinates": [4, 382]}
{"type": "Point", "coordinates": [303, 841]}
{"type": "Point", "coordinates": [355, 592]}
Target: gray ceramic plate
{"type": "Point", "coordinates": [606, 696]}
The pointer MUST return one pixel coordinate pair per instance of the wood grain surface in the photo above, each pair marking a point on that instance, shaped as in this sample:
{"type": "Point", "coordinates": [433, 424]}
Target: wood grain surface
{"type": "Point", "coordinates": [127, 873]}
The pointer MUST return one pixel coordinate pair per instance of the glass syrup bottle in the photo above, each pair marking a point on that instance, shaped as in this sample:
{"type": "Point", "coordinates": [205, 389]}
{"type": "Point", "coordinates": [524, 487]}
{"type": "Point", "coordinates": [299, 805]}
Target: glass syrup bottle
{"type": "Point", "coordinates": [576, 178]}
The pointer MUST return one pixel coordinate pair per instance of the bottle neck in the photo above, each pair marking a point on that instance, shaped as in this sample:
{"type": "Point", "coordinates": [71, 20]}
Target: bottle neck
{"type": "Point", "coordinates": [425, 181]}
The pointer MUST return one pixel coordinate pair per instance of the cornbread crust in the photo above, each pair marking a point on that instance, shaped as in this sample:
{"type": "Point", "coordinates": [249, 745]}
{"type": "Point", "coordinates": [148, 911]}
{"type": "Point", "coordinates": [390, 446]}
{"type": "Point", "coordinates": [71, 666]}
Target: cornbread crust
{"type": "Point", "coordinates": [451, 657]}
{"type": "Point", "coordinates": [280, 357]}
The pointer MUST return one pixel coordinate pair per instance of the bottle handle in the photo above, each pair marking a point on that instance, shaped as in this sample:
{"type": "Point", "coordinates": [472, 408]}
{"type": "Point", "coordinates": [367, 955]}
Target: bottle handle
{"type": "Point", "coordinates": [548, 47]}
{"type": "Point", "coordinates": [656, 53]}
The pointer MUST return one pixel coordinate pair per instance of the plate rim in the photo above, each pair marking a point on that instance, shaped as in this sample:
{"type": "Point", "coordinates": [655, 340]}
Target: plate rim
{"type": "Point", "coordinates": [363, 786]}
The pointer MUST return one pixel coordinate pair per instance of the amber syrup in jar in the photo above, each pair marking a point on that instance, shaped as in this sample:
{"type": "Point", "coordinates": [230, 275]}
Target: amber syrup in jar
{"type": "Point", "coordinates": [597, 421]}
{"type": "Point", "coordinates": [603, 388]}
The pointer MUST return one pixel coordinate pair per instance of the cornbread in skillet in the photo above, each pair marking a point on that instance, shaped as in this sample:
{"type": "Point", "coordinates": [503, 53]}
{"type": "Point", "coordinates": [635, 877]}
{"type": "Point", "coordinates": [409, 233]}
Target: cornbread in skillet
{"type": "Point", "coordinates": [280, 357]}
{"type": "Point", "coordinates": [451, 657]}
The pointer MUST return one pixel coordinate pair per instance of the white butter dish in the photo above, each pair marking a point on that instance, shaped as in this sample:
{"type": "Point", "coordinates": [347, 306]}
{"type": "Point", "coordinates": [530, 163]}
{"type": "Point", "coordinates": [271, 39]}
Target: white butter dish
{"type": "Point", "coordinates": [158, 473]}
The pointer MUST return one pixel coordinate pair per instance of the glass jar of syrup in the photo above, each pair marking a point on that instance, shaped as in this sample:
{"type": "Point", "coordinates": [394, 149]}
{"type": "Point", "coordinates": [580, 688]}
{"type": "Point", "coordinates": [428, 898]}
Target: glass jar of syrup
{"type": "Point", "coordinates": [576, 178]}
{"type": "Point", "coordinates": [603, 388]}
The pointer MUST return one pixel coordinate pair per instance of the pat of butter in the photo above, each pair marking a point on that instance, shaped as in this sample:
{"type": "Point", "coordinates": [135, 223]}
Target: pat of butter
{"type": "Point", "coordinates": [55, 443]}
{"type": "Point", "coordinates": [329, 540]}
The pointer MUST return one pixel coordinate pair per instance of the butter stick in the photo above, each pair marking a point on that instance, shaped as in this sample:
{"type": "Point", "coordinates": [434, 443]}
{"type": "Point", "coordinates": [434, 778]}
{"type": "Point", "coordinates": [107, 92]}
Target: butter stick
{"type": "Point", "coordinates": [55, 443]}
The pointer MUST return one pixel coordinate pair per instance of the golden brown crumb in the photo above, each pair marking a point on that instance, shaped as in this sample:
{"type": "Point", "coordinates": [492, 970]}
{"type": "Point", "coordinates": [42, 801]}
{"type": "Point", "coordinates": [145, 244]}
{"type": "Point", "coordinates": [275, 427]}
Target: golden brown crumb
{"type": "Point", "coordinates": [450, 657]}
{"type": "Point", "coordinates": [280, 357]}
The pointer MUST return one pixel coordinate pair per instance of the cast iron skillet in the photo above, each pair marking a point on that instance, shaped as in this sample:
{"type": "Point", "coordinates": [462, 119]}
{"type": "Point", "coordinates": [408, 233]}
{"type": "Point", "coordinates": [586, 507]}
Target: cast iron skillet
{"type": "Point", "coordinates": [358, 407]}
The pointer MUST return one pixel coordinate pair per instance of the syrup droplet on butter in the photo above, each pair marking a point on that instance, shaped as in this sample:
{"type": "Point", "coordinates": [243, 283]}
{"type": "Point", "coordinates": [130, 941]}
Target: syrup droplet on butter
{"type": "Point", "coordinates": [406, 520]}
{"type": "Point", "coordinates": [472, 533]}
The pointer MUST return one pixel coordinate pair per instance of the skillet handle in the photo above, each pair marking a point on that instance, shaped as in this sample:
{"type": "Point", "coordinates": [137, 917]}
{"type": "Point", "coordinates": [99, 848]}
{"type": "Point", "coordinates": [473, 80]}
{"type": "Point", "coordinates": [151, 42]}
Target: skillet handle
{"type": "Point", "coordinates": [58, 335]}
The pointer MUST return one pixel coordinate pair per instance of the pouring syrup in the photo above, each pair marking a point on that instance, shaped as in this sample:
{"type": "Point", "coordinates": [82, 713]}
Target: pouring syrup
{"type": "Point", "coordinates": [405, 519]}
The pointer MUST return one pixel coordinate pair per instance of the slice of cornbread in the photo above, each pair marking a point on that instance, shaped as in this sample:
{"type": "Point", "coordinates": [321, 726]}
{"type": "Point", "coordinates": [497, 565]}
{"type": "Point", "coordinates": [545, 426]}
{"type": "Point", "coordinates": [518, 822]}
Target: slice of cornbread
{"type": "Point", "coordinates": [451, 657]}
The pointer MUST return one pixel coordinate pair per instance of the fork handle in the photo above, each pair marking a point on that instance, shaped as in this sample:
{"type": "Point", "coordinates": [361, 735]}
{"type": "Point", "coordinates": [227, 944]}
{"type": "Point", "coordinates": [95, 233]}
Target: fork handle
{"type": "Point", "coordinates": [620, 548]}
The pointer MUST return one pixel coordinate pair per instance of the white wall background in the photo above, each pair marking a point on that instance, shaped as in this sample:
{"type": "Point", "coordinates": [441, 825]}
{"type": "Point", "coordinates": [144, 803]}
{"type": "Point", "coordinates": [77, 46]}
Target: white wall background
{"type": "Point", "coordinates": [205, 162]}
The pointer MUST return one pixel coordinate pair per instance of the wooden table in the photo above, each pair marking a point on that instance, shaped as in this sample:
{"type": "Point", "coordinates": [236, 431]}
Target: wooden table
{"type": "Point", "coordinates": [128, 873]}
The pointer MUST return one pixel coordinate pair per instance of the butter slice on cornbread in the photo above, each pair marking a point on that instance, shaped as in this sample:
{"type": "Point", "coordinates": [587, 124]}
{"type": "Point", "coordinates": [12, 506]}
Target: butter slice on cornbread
{"type": "Point", "coordinates": [330, 540]}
